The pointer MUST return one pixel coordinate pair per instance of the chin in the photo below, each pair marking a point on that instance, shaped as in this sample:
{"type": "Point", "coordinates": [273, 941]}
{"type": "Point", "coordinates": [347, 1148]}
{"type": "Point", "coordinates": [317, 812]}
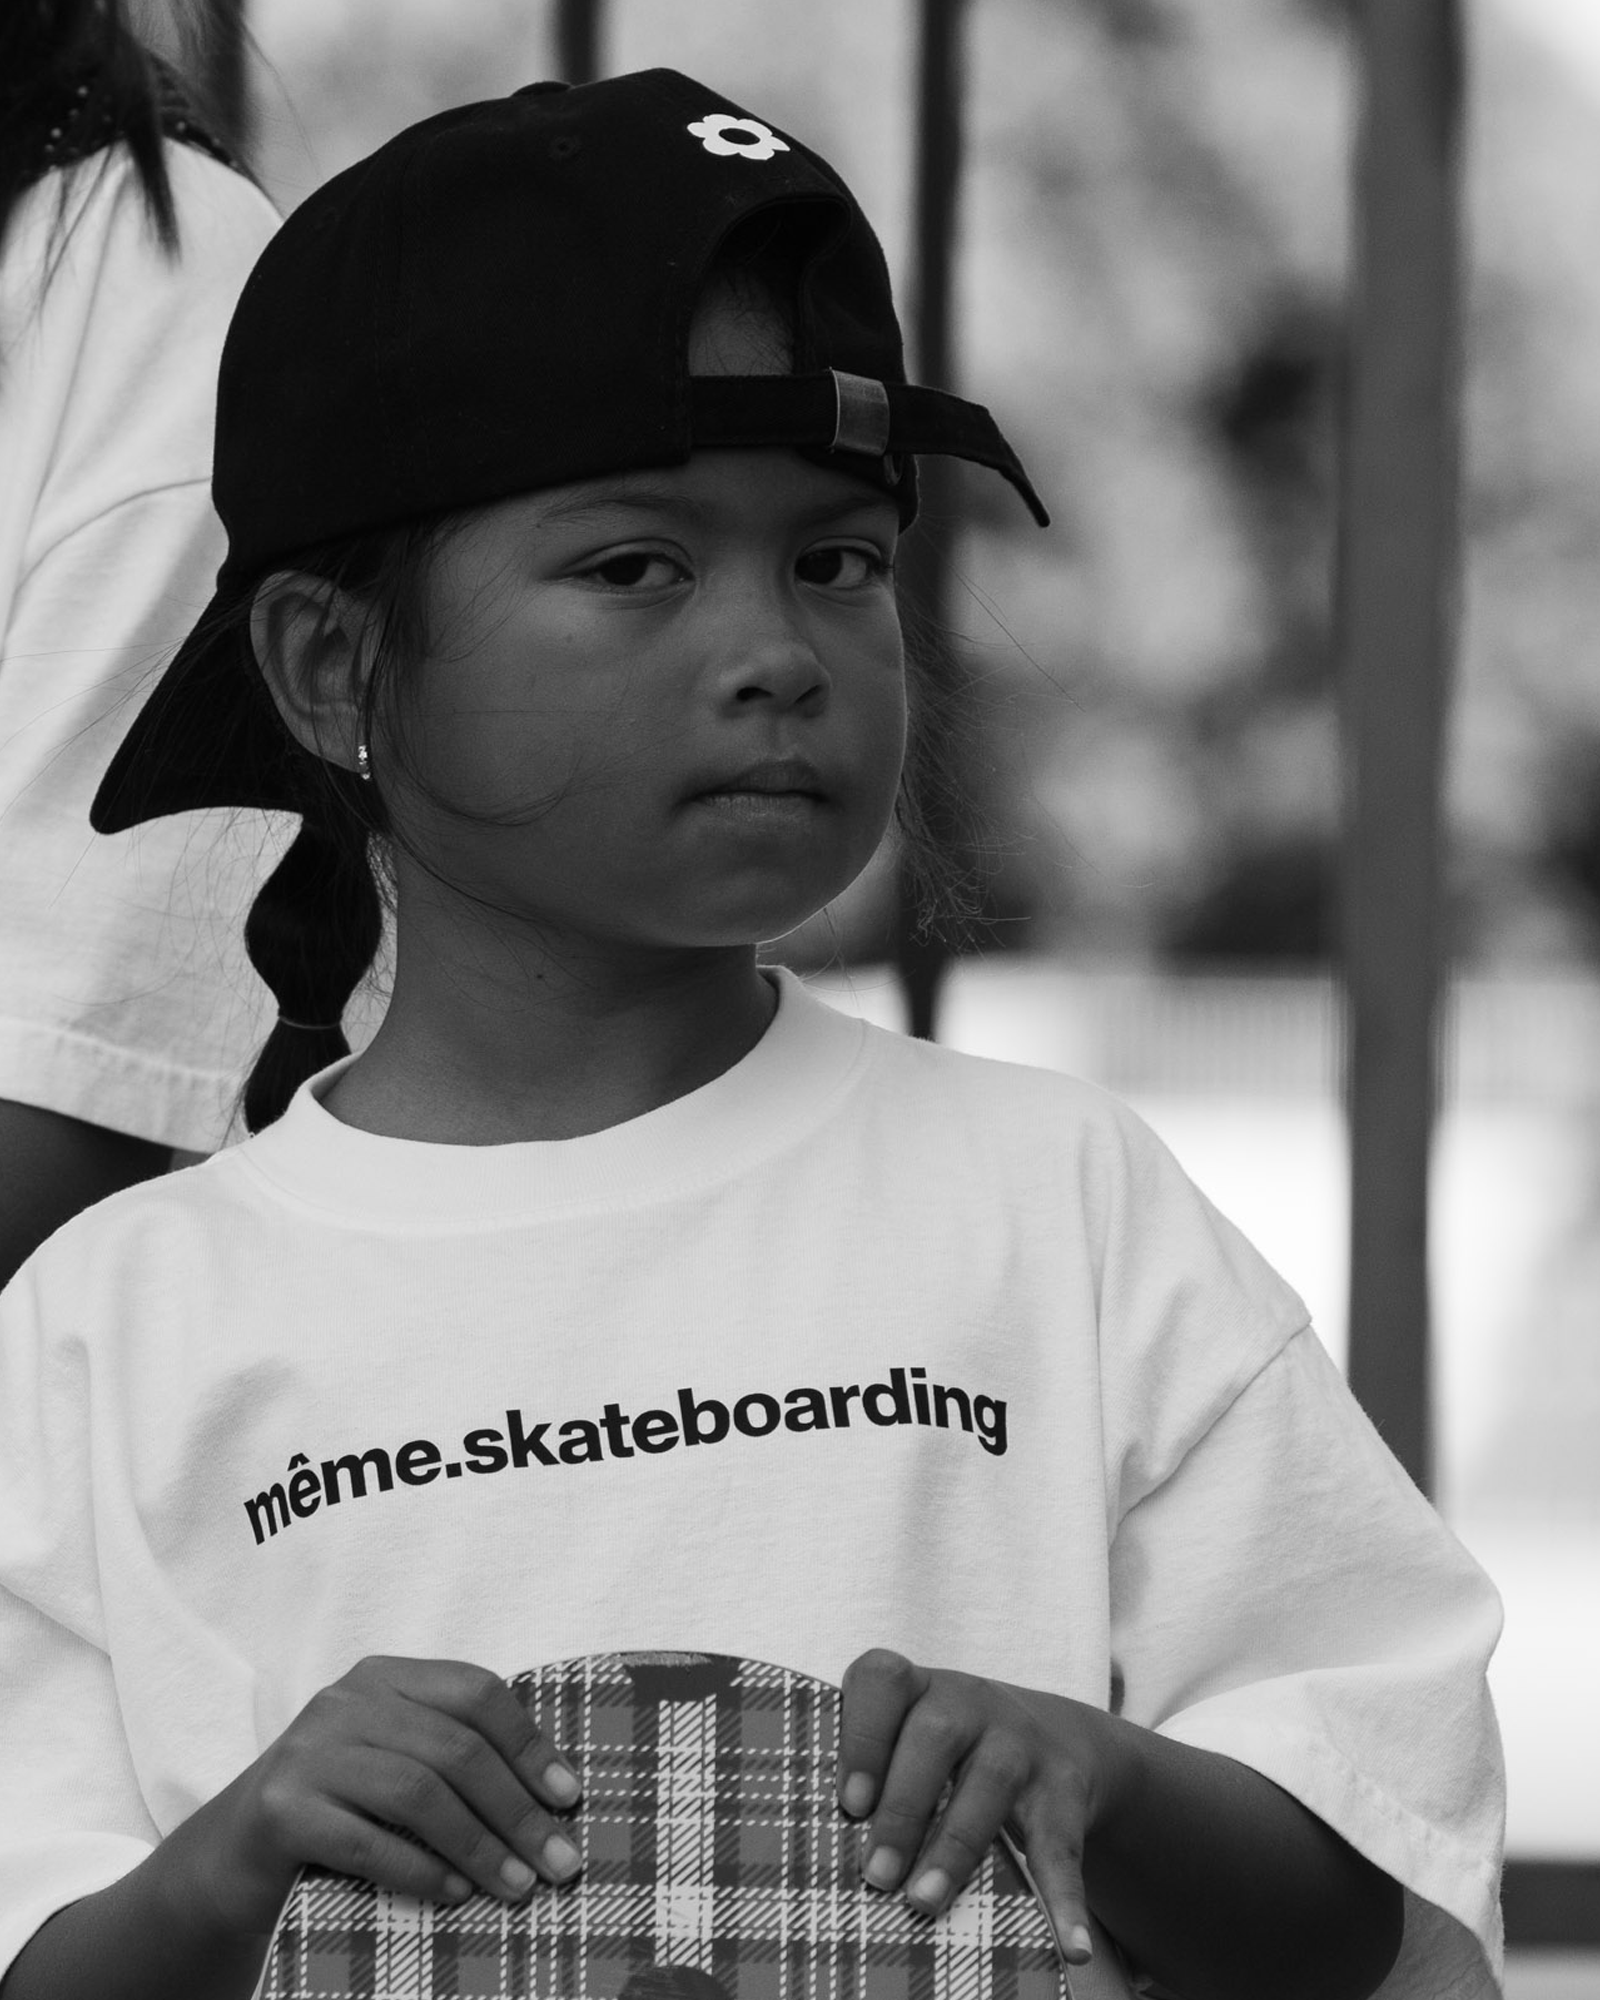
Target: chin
{"type": "Point", "coordinates": [756, 912]}
{"type": "Point", "coordinates": [755, 926]}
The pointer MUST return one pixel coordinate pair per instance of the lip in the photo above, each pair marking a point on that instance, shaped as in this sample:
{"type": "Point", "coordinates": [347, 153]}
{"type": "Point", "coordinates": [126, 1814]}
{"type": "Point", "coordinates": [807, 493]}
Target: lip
{"type": "Point", "coordinates": [775, 777]}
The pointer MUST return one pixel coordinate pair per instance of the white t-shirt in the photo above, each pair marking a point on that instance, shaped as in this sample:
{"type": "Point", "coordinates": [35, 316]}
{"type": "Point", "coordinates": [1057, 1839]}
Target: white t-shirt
{"type": "Point", "coordinates": [125, 995]}
{"type": "Point", "coordinates": [863, 1343]}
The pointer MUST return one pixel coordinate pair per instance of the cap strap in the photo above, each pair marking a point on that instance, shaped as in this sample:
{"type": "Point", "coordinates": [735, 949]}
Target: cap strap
{"type": "Point", "coordinates": [861, 415]}
{"type": "Point", "coordinates": [851, 413]}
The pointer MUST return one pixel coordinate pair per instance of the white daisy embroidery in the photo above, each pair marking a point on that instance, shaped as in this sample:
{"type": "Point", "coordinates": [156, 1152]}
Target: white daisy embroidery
{"type": "Point", "coordinates": [719, 132]}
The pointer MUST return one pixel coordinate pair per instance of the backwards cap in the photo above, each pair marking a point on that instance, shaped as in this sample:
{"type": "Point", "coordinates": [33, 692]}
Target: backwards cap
{"type": "Point", "coordinates": [497, 300]}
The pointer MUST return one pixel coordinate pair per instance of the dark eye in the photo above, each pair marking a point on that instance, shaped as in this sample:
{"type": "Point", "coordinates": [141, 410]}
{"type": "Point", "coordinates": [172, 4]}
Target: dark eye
{"type": "Point", "coordinates": [840, 567]}
{"type": "Point", "coordinates": [638, 566]}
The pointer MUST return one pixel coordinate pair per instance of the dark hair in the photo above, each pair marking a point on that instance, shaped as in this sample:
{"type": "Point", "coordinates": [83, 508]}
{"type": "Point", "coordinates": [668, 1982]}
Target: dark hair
{"type": "Point", "coordinates": [75, 80]}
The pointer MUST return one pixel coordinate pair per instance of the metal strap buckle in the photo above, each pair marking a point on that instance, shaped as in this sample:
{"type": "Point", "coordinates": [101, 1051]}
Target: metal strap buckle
{"type": "Point", "coordinates": [861, 421]}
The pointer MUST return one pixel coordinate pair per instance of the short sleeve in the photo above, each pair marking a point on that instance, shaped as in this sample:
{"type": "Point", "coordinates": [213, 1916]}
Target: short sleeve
{"type": "Point", "coordinates": [1188, 1310]}
{"type": "Point", "coordinates": [72, 1818]}
{"type": "Point", "coordinates": [125, 995]}
{"type": "Point", "coordinates": [1287, 1598]}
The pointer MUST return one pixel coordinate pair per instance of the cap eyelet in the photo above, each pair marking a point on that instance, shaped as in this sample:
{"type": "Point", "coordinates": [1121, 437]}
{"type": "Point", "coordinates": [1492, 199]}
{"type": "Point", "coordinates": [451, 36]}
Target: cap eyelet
{"type": "Point", "coordinates": [565, 146]}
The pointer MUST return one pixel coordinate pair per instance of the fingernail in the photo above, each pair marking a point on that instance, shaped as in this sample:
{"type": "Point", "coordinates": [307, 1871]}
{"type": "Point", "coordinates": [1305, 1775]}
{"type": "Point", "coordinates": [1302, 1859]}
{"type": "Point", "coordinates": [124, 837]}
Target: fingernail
{"type": "Point", "coordinates": [884, 1868]}
{"type": "Point", "coordinates": [561, 1858]}
{"type": "Point", "coordinates": [562, 1786]}
{"type": "Point", "coordinates": [456, 1887]}
{"type": "Point", "coordinates": [1080, 1946]}
{"type": "Point", "coordinates": [856, 1798]}
{"type": "Point", "coordinates": [517, 1875]}
{"type": "Point", "coordinates": [930, 1889]}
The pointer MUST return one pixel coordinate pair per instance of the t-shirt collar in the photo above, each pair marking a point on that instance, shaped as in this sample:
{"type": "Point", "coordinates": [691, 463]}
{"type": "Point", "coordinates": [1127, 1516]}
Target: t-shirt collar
{"type": "Point", "coordinates": [783, 1088]}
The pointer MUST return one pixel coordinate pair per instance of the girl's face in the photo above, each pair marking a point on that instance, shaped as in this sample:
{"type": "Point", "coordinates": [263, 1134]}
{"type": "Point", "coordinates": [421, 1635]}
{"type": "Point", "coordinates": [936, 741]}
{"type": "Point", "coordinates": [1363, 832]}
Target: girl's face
{"type": "Point", "coordinates": [676, 696]}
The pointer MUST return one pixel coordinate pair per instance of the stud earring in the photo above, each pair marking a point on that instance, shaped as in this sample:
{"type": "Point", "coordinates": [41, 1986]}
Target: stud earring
{"type": "Point", "coordinates": [363, 764]}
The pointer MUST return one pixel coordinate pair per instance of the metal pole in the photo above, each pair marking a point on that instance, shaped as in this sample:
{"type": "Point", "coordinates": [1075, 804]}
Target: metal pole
{"type": "Point", "coordinates": [577, 30]}
{"type": "Point", "coordinates": [923, 960]}
{"type": "Point", "coordinates": [223, 74]}
{"type": "Point", "coordinates": [1395, 611]}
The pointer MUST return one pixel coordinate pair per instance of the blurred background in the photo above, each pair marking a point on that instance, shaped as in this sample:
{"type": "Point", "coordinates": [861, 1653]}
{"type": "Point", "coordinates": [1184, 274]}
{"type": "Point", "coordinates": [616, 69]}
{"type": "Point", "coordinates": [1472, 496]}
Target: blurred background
{"type": "Point", "coordinates": [1150, 285]}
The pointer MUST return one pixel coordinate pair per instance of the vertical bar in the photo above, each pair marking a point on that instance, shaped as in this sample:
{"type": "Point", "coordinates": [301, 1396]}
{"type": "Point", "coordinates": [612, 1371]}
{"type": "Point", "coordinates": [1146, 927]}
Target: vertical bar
{"type": "Point", "coordinates": [1395, 611]}
{"type": "Point", "coordinates": [578, 40]}
{"type": "Point", "coordinates": [938, 180]}
{"type": "Point", "coordinates": [922, 960]}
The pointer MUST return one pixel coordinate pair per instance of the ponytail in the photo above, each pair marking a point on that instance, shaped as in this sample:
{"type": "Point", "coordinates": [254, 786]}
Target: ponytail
{"type": "Point", "coordinates": [312, 933]}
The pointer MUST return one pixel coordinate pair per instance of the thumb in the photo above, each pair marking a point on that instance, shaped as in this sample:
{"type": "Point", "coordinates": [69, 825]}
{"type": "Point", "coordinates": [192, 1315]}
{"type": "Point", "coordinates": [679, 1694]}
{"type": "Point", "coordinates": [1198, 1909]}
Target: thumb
{"type": "Point", "coordinates": [1052, 1867]}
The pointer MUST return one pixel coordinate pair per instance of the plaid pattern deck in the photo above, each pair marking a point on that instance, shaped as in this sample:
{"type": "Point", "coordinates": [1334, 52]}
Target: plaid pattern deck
{"type": "Point", "coordinates": [717, 1866]}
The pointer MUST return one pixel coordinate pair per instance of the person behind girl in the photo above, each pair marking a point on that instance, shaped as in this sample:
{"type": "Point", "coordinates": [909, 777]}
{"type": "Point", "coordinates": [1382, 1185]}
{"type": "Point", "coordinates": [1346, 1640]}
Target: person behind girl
{"type": "Point", "coordinates": [126, 232]}
{"type": "Point", "coordinates": [622, 1294]}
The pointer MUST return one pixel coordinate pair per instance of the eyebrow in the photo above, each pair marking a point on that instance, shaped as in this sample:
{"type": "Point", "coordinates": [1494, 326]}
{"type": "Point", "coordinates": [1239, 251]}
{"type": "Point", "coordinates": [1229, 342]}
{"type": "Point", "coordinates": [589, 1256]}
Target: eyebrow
{"type": "Point", "coordinates": [596, 500]}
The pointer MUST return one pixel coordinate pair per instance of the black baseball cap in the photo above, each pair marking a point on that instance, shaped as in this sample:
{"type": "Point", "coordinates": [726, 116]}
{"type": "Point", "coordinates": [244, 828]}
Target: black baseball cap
{"type": "Point", "coordinates": [499, 299]}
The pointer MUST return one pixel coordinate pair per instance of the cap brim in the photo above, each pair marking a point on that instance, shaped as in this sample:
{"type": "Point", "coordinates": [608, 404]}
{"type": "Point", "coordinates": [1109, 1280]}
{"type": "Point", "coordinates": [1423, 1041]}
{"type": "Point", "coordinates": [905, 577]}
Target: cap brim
{"type": "Point", "coordinates": [207, 736]}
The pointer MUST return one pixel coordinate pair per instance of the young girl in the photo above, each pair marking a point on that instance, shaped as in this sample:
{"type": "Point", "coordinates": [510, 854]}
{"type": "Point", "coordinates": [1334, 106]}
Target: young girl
{"type": "Point", "coordinates": [621, 1294]}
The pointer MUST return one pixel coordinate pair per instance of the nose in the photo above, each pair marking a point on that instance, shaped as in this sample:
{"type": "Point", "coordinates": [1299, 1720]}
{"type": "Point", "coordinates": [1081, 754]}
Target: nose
{"type": "Point", "coordinates": [769, 656]}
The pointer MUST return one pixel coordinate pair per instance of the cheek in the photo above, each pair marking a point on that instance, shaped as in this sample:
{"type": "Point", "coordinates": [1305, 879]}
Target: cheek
{"type": "Point", "coordinates": [436, 781]}
{"type": "Point", "coordinates": [482, 743]}
{"type": "Point", "coordinates": [886, 725]}
{"type": "Point", "coordinates": [897, 723]}
{"type": "Point", "coordinates": [509, 790]}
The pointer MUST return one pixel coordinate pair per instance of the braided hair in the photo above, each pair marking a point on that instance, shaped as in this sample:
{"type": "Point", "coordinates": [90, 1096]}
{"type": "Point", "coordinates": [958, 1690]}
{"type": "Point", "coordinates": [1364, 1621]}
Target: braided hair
{"type": "Point", "coordinates": [312, 934]}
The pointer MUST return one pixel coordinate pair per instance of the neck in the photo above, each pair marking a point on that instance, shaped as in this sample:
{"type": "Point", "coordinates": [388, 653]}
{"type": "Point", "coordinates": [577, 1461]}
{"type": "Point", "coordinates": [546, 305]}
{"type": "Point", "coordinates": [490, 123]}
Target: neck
{"type": "Point", "coordinates": [478, 1052]}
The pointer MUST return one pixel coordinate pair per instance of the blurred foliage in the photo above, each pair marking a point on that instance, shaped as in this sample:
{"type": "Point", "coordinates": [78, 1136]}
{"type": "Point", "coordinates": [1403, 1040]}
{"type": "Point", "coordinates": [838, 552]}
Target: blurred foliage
{"type": "Point", "coordinates": [1153, 263]}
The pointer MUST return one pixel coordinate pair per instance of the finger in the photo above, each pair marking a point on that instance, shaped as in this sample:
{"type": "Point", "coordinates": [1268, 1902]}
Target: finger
{"type": "Point", "coordinates": [879, 1689]}
{"type": "Point", "coordinates": [495, 1824]}
{"type": "Point", "coordinates": [985, 1795]}
{"type": "Point", "coordinates": [934, 1740]}
{"type": "Point", "coordinates": [485, 1703]}
{"type": "Point", "coordinates": [334, 1837]}
{"type": "Point", "coordinates": [406, 1790]}
{"type": "Point", "coordinates": [1052, 1862]}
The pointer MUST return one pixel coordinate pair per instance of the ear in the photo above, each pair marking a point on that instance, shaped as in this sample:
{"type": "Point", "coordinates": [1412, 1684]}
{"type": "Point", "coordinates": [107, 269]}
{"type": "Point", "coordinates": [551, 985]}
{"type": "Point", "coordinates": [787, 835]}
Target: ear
{"type": "Point", "coordinates": [308, 639]}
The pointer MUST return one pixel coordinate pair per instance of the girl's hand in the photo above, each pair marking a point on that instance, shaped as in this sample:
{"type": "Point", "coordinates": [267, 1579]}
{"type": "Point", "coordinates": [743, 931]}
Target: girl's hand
{"type": "Point", "coordinates": [1027, 1763]}
{"type": "Point", "coordinates": [438, 1747]}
